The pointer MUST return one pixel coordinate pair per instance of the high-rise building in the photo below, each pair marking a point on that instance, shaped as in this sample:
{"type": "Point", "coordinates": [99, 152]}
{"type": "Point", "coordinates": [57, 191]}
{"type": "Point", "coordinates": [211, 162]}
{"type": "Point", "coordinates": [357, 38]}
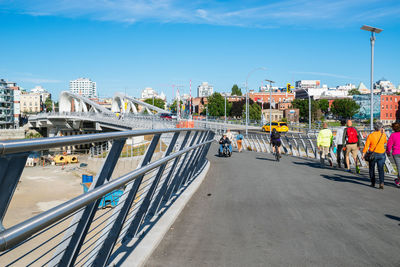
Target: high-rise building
{"type": "Point", "coordinates": [84, 87]}
{"type": "Point", "coordinates": [205, 90]}
{"type": "Point", "coordinates": [9, 104]}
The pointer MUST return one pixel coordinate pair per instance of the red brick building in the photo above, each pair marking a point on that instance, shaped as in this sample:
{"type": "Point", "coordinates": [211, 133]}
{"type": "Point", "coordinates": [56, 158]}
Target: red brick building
{"type": "Point", "coordinates": [389, 108]}
{"type": "Point", "coordinates": [277, 97]}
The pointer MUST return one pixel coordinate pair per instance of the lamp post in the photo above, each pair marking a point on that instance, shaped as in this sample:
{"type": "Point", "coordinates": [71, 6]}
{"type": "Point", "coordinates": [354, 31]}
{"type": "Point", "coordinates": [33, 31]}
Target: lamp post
{"type": "Point", "coordinates": [309, 108]}
{"type": "Point", "coordinates": [270, 104]}
{"type": "Point", "coordinates": [247, 95]}
{"type": "Point", "coordinates": [373, 30]}
{"type": "Point", "coordinates": [225, 110]}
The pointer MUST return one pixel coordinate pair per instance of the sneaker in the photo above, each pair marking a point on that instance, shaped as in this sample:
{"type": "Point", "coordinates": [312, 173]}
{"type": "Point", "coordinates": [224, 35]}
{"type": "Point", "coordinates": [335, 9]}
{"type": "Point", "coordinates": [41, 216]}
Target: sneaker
{"type": "Point", "coordinates": [348, 170]}
{"type": "Point", "coordinates": [380, 186]}
{"type": "Point", "coordinates": [397, 182]}
{"type": "Point", "coordinates": [357, 170]}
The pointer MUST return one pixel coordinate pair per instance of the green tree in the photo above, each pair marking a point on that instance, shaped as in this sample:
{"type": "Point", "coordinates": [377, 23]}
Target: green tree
{"type": "Point", "coordinates": [216, 105]}
{"type": "Point", "coordinates": [344, 108]}
{"type": "Point", "coordinates": [302, 105]}
{"type": "Point", "coordinates": [48, 104]}
{"type": "Point", "coordinates": [236, 90]}
{"type": "Point", "coordinates": [173, 107]}
{"type": "Point", "coordinates": [157, 102]}
{"type": "Point", "coordinates": [254, 111]}
{"type": "Point", "coordinates": [354, 92]}
{"type": "Point", "coordinates": [323, 105]}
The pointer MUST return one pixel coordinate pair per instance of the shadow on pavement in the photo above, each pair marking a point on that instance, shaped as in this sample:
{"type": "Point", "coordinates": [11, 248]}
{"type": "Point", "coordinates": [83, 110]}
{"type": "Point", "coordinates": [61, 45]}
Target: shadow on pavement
{"type": "Point", "coordinates": [393, 217]}
{"type": "Point", "coordinates": [310, 164]}
{"type": "Point", "coordinates": [347, 179]}
{"type": "Point", "coordinates": [265, 159]}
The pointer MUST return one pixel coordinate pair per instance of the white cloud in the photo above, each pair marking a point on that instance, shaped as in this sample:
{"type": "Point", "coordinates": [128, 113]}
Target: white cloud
{"type": "Point", "coordinates": [324, 74]}
{"type": "Point", "coordinates": [38, 80]}
{"type": "Point", "coordinates": [274, 13]}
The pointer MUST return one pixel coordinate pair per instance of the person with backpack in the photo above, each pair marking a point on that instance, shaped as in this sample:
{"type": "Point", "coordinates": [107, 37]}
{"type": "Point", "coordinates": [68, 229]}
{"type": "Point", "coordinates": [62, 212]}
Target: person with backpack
{"type": "Point", "coordinates": [375, 145]}
{"type": "Point", "coordinates": [351, 140]}
{"type": "Point", "coordinates": [339, 144]}
{"type": "Point", "coordinates": [324, 142]}
{"type": "Point", "coordinates": [276, 141]}
{"type": "Point", "coordinates": [239, 139]}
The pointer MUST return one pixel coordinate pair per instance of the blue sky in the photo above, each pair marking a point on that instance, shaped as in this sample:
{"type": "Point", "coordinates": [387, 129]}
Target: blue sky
{"type": "Point", "coordinates": [126, 45]}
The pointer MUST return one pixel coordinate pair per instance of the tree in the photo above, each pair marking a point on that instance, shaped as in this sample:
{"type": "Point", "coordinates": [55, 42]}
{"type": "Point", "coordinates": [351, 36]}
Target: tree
{"type": "Point", "coordinates": [255, 112]}
{"type": "Point", "coordinates": [302, 105]}
{"type": "Point", "coordinates": [344, 108]}
{"type": "Point", "coordinates": [216, 105]}
{"type": "Point", "coordinates": [324, 105]}
{"type": "Point", "coordinates": [354, 92]}
{"type": "Point", "coordinates": [157, 102]}
{"type": "Point", "coordinates": [236, 90]}
{"type": "Point", "coordinates": [173, 107]}
{"type": "Point", "coordinates": [48, 104]}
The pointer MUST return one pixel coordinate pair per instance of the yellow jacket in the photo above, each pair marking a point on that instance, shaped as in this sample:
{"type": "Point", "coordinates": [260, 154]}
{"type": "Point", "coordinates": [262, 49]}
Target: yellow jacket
{"type": "Point", "coordinates": [324, 138]}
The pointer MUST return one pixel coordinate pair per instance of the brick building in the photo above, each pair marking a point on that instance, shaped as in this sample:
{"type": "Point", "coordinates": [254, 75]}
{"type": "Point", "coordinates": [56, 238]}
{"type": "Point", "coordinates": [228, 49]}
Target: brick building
{"type": "Point", "coordinates": [277, 97]}
{"type": "Point", "coordinates": [389, 108]}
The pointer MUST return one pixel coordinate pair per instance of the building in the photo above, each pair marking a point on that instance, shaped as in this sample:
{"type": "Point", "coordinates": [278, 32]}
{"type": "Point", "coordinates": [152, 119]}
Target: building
{"type": "Point", "coordinates": [307, 84]}
{"type": "Point", "coordinates": [149, 92]}
{"type": "Point", "coordinates": [389, 108]}
{"type": "Point", "coordinates": [43, 92]}
{"type": "Point", "coordinates": [364, 101]}
{"type": "Point", "coordinates": [31, 103]}
{"type": "Point", "coordinates": [84, 87]}
{"type": "Point", "coordinates": [292, 115]}
{"type": "Point", "coordinates": [385, 86]}
{"type": "Point", "coordinates": [205, 90]}
{"type": "Point", "coordinates": [9, 104]}
{"type": "Point", "coordinates": [277, 97]}
{"type": "Point", "coordinates": [276, 115]}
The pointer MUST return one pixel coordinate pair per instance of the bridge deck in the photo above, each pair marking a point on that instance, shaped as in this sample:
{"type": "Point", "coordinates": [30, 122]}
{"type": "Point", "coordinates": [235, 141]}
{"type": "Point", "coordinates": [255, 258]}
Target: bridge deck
{"type": "Point", "coordinates": [253, 211]}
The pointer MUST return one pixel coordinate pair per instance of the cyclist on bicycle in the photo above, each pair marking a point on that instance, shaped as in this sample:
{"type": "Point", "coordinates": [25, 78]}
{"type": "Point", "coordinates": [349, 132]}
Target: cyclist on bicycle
{"type": "Point", "coordinates": [276, 141]}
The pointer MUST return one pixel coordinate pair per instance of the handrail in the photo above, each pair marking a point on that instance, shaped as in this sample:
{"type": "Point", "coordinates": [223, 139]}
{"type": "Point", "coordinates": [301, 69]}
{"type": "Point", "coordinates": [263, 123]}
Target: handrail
{"type": "Point", "coordinates": [27, 145]}
{"type": "Point", "coordinates": [21, 231]}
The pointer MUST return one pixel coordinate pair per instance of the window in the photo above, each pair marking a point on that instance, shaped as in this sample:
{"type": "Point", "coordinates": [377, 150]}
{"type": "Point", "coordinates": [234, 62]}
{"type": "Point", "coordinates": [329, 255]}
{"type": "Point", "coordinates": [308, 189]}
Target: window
{"type": "Point", "coordinates": [387, 106]}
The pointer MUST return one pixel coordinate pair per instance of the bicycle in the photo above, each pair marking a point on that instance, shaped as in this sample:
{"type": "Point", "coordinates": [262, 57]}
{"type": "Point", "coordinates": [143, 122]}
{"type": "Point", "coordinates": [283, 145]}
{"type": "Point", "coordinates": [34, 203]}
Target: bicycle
{"type": "Point", "coordinates": [276, 153]}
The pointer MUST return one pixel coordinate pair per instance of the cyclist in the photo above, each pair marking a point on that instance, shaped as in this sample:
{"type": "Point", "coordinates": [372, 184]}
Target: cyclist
{"type": "Point", "coordinates": [276, 141]}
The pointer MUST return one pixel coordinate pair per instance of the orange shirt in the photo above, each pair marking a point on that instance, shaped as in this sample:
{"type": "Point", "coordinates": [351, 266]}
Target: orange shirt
{"type": "Point", "coordinates": [372, 141]}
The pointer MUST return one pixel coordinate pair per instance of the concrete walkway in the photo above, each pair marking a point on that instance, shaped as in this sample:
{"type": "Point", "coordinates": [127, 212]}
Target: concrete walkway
{"type": "Point", "coordinates": [253, 211]}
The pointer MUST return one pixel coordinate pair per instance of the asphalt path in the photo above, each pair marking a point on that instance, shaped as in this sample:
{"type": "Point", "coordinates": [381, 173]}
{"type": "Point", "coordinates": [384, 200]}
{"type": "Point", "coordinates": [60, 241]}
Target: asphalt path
{"type": "Point", "coordinates": [253, 211]}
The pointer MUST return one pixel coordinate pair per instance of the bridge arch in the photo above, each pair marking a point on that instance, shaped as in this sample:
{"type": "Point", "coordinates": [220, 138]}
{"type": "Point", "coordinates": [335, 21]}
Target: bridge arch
{"type": "Point", "coordinates": [70, 102]}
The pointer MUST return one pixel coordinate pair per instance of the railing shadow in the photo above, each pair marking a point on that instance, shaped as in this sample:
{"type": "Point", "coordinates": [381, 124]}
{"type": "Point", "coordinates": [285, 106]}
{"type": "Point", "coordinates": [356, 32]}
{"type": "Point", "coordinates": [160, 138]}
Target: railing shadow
{"type": "Point", "coordinates": [265, 159]}
{"type": "Point", "coordinates": [148, 226]}
{"type": "Point", "coordinates": [396, 218]}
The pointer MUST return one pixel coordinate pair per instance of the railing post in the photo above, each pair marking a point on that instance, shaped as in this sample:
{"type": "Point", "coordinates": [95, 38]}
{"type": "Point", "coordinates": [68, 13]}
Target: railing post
{"type": "Point", "coordinates": [111, 238]}
{"type": "Point", "coordinates": [11, 168]}
{"type": "Point", "coordinates": [155, 206]}
{"type": "Point", "coordinates": [179, 174]}
{"type": "Point", "coordinates": [140, 215]}
{"type": "Point", "coordinates": [85, 217]}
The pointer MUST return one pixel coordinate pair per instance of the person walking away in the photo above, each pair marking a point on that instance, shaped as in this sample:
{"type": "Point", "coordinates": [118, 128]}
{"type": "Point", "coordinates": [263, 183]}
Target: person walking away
{"type": "Point", "coordinates": [393, 146]}
{"type": "Point", "coordinates": [339, 144]}
{"type": "Point", "coordinates": [324, 142]}
{"type": "Point", "coordinates": [352, 141]}
{"type": "Point", "coordinates": [375, 144]}
{"type": "Point", "coordinates": [239, 139]}
{"type": "Point", "coordinates": [276, 141]}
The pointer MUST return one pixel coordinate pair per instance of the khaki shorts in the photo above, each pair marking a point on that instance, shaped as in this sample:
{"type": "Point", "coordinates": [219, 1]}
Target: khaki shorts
{"type": "Point", "coordinates": [324, 151]}
{"type": "Point", "coordinates": [353, 149]}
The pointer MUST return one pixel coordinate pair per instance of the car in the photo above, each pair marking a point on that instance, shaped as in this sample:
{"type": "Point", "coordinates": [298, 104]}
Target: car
{"type": "Point", "coordinates": [166, 116]}
{"type": "Point", "coordinates": [279, 126]}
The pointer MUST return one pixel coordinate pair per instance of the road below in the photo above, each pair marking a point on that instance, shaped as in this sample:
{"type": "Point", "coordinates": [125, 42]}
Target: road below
{"type": "Point", "coordinates": [253, 211]}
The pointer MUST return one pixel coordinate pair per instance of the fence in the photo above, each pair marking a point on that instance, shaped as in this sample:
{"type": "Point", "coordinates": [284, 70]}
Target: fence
{"type": "Point", "coordinates": [78, 232]}
{"type": "Point", "coordinates": [303, 145]}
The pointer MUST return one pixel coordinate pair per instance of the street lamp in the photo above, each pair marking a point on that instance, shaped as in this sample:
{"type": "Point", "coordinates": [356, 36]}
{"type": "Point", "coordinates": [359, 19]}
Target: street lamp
{"type": "Point", "coordinates": [270, 104]}
{"type": "Point", "coordinates": [225, 109]}
{"type": "Point", "coordinates": [247, 95]}
{"type": "Point", "coordinates": [373, 30]}
{"type": "Point", "coordinates": [309, 108]}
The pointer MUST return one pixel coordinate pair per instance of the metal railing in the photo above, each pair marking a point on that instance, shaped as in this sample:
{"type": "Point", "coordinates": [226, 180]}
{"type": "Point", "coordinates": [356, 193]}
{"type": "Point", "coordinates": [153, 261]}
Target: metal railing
{"type": "Point", "coordinates": [304, 145]}
{"type": "Point", "coordinates": [86, 230]}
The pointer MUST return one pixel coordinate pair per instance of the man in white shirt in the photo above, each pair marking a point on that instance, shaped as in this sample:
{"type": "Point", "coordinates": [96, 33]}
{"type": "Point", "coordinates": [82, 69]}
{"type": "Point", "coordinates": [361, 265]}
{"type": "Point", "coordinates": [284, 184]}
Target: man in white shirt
{"type": "Point", "coordinates": [339, 143]}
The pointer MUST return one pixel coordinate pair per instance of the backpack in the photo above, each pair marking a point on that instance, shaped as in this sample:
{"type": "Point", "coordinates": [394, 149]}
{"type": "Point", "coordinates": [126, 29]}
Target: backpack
{"type": "Point", "coordinates": [239, 137]}
{"type": "Point", "coordinates": [276, 135]}
{"type": "Point", "coordinates": [352, 135]}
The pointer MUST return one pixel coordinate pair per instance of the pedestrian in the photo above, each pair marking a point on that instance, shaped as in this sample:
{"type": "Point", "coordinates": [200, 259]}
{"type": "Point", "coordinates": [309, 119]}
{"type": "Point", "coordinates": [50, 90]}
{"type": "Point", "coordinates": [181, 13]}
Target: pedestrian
{"type": "Point", "coordinates": [393, 146]}
{"type": "Point", "coordinates": [239, 139]}
{"type": "Point", "coordinates": [375, 145]}
{"type": "Point", "coordinates": [324, 142]}
{"type": "Point", "coordinates": [339, 144]}
{"type": "Point", "coordinates": [229, 135]}
{"type": "Point", "coordinates": [352, 140]}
